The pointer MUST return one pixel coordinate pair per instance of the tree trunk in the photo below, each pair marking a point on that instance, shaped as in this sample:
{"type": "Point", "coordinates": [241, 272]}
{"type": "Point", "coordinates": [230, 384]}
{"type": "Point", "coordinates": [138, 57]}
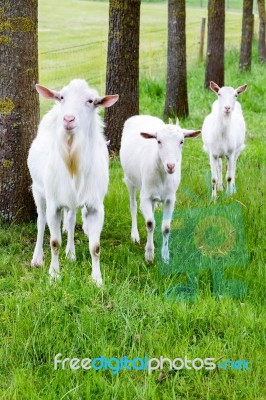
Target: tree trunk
{"type": "Point", "coordinates": [176, 103]}
{"type": "Point", "coordinates": [247, 36]}
{"type": "Point", "coordinates": [262, 30]}
{"type": "Point", "coordinates": [122, 75]}
{"type": "Point", "coordinates": [19, 106]}
{"type": "Point", "coordinates": [215, 46]}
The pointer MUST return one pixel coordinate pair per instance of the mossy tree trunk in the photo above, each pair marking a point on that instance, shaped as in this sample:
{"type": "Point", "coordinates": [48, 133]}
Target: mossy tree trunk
{"type": "Point", "coordinates": [19, 105]}
{"type": "Point", "coordinates": [176, 103]}
{"type": "Point", "coordinates": [122, 76]}
{"type": "Point", "coordinates": [215, 46]}
{"type": "Point", "coordinates": [247, 36]}
{"type": "Point", "coordinates": [262, 30]}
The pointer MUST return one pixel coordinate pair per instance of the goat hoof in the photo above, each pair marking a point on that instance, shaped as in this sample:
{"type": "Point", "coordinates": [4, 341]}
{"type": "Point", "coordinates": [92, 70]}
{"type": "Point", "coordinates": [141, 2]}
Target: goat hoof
{"type": "Point", "coordinates": [97, 280]}
{"type": "Point", "coordinates": [135, 237]}
{"type": "Point", "coordinates": [165, 256]}
{"type": "Point", "coordinates": [38, 262]}
{"type": "Point", "coordinates": [231, 190]}
{"type": "Point", "coordinates": [71, 255]}
{"type": "Point", "coordinates": [149, 255]}
{"type": "Point", "coordinates": [54, 275]}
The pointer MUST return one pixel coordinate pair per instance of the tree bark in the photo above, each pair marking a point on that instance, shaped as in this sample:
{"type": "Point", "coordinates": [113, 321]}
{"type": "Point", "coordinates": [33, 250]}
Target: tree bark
{"type": "Point", "coordinates": [19, 106]}
{"type": "Point", "coordinates": [122, 76]}
{"type": "Point", "coordinates": [176, 103]}
{"type": "Point", "coordinates": [262, 30]}
{"type": "Point", "coordinates": [215, 46]}
{"type": "Point", "coordinates": [247, 36]}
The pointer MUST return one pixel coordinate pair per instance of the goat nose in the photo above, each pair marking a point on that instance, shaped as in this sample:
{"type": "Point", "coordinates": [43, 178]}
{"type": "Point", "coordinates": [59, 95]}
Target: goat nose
{"type": "Point", "coordinates": [69, 118]}
{"type": "Point", "coordinates": [227, 108]}
{"type": "Point", "coordinates": [170, 167]}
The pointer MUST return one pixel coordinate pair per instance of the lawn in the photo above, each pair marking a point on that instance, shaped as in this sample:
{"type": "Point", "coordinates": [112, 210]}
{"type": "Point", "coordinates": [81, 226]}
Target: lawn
{"type": "Point", "coordinates": [78, 47]}
{"type": "Point", "coordinates": [133, 314]}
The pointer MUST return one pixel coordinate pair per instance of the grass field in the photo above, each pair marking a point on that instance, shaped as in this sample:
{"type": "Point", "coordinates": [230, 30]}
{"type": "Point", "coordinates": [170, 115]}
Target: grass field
{"type": "Point", "coordinates": [79, 46]}
{"type": "Point", "coordinates": [130, 315]}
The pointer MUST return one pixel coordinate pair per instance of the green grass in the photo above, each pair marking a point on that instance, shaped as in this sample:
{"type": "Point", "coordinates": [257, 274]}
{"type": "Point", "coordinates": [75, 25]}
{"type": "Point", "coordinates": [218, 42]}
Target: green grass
{"type": "Point", "coordinates": [78, 47]}
{"type": "Point", "coordinates": [229, 4]}
{"type": "Point", "coordinates": [233, 4]}
{"type": "Point", "coordinates": [129, 315]}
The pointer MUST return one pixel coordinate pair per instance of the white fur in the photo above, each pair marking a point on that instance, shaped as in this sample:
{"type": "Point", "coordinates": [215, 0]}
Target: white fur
{"type": "Point", "coordinates": [146, 167]}
{"type": "Point", "coordinates": [56, 185]}
{"type": "Point", "coordinates": [223, 135]}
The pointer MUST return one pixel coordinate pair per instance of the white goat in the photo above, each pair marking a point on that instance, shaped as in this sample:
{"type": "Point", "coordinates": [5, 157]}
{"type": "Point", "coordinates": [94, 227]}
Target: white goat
{"type": "Point", "coordinates": [154, 167]}
{"type": "Point", "coordinates": [68, 163]}
{"type": "Point", "coordinates": [223, 135]}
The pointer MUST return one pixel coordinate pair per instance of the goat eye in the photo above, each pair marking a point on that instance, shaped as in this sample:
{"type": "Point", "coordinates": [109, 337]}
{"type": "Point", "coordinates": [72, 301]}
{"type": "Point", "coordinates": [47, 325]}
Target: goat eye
{"type": "Point", "coordinates": [159, 142]}
{"type": "Point", "coordinates": [61, 97]}
{"type": "Point", "coordinates": [182, 141]}
{"type": "Point", "coordinates": [90, 101]}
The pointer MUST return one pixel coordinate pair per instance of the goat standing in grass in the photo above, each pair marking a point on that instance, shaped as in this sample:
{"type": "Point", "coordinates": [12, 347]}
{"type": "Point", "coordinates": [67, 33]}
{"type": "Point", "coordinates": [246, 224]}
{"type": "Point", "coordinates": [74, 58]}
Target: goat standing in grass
{"type": "Point", "coordinates": [223, 135]}
{"type": "Point", "coordinates": [68, 163]}
{"type": "Point", "coordinates": [150, 154]}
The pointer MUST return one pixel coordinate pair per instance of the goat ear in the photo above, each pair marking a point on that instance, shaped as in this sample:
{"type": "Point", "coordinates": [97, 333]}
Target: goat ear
{"type": "Point", "coordinates": [241, 89]}
{"type": "Point", "coordinates": [47, 93]}
{"type": "Point", "coordinates": [148, 135]}
{"type": "Point", "coordinates": [214, 87]}
{"type": "Point", "coordinates": [170, 121]}
{"type": "Point", "coordinates": [106, 101]}
{"type": "Point", "coordinates": [190, 133]}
